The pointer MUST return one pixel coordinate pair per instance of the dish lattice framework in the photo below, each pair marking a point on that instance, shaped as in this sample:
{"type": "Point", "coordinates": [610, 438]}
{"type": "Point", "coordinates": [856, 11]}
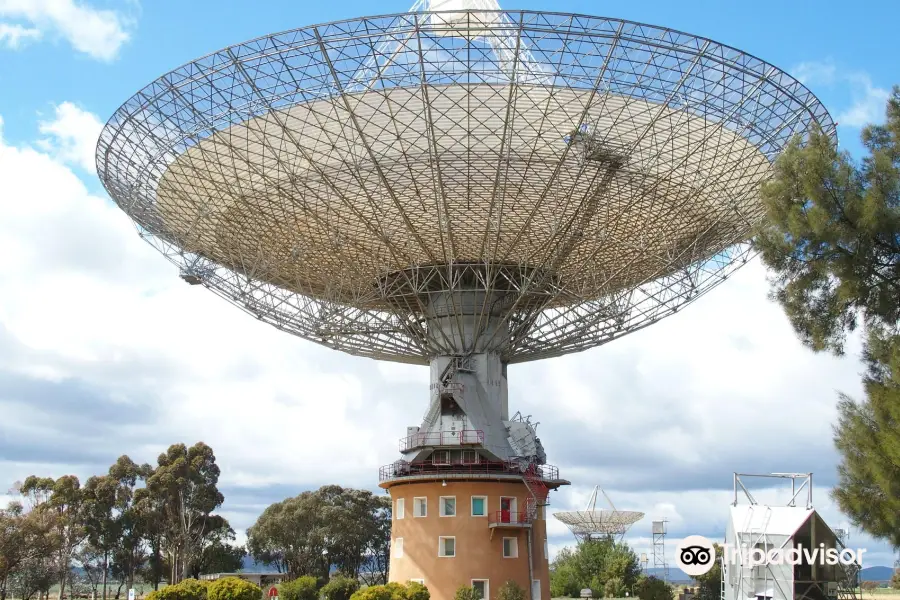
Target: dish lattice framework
{"type": "Point", "coordinates": [591, 523]}
{"type": "Point", "coordinates": [572, 177]}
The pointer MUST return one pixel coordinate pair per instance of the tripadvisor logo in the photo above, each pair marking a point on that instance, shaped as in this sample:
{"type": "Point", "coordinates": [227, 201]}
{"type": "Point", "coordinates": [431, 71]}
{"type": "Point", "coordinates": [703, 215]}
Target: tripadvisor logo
{"type": "Point", "coordinates": [696, 555]}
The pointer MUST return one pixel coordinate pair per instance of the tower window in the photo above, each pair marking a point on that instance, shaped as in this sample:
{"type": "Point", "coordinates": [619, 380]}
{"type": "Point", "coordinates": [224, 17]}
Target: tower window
{"type": "Point", "coordinates": [481, 587]}
{"type": "Point", "coordinates": [510, 547]}
{"type": "Point", "coordinates": [401, 508]}
{"type": "Point", "coordinates": [397, 550]}
{"type": "Point", "coordinates": [448, 506]}
{"type": "Point", "coordinates": [420, 507]}
{"type": "Point", "coordinates": [440, 457]}
{"type": "Point", "coordinates": [447, 547]}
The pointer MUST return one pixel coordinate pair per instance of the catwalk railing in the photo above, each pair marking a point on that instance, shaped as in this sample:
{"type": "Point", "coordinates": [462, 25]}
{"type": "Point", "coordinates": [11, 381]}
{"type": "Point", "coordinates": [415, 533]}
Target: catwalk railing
{"type": "Point", "coordinates": [403, 468]}
{"type": "Point", "coordinates": [506, 517]}
{"type": "Point", "coordinates": [465, 437]}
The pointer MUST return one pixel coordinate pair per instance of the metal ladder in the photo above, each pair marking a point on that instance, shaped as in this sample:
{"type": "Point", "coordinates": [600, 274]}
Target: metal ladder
{"type": "Point", "coordinates": [539, 491]}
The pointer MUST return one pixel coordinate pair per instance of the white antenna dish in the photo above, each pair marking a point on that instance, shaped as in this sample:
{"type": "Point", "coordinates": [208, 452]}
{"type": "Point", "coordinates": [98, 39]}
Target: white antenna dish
{"type": "Point", "coordinates": [592, 523]}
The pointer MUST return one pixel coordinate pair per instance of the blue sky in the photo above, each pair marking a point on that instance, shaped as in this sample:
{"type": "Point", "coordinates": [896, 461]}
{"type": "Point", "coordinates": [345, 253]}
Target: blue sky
{"type": "Point", "coordinates": [104, 351]}
{"type": "Point", "coordinates": [846, 39]}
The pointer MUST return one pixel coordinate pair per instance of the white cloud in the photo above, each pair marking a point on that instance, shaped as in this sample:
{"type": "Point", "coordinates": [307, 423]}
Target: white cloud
{"type": "Point", "coordinates": [864, 101]}
{"type": "Point", "coordinates": [869, 102]}
{"type": "Point", "coordinates": [812, 73]}
{"type": "Point", "coordinates": [15, 36]}
{"type": "Point", "coordinates": [104, 351]}
{"type": "Point", "coordinates": [95, 32]}
{"type": "Point", "coordinates": [73, 135]}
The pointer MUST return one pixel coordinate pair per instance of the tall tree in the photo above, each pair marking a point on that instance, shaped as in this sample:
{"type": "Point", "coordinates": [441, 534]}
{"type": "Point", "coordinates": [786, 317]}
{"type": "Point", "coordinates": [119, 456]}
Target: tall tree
{"type": "Point", "coordinates": [218, 552]}
{"type": "Point", "coordinates": [288, 535]}
{"type": "Point", "coordinates": [593, 564]}
{"type": "Point", "coordinates": [710, 583]}
{"type": "Point", "coordinates": [63, 501]}
{"type": "Point", "coordinates": [129, 554]}
{"type": "Point", "coordinates": [26, 540]}
{"type": "Point", "coordinates": [832, 242]}
{"type": "Point", "coordinates": [186, 483]}
{"type": "Point", "coordinates": [330, 527]}
{"type": "Point", "coordinates": [100, 520]}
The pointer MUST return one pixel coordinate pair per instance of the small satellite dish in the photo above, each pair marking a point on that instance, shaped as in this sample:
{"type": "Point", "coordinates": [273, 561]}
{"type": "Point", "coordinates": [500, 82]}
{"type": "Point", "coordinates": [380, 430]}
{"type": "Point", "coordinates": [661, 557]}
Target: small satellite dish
{"type": "Point", "coordinates": [592, 523]}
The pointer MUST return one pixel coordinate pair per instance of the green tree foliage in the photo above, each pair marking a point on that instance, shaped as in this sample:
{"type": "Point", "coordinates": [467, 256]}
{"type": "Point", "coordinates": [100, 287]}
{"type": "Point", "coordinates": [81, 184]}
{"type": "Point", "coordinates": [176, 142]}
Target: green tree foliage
{"type": "Point", "coordinates": [233, 588]}
{"type": "Point", "coordinates": [614, 588]}
{"type": "Point", "coordinates": [340, 588]}
{"type": "Point", "coordinates": [109, 527]}
{"type": "Point", "coordinates": [332, 526]}
{"type": "Point", "coordinates": [187, 589]}
{"type": "Point", "coordinates": [58, 504]}
{"type": "Point", "coordinates": [710, 583]}
{"type": "Point", "coordinates": [653, 588]}
{"type": "Point", "coordinates": [301, 588]}
{"type": "Point", "coordinates": [832, 242]}
{"type": "Point", "coordinates": [510, 591]}
{"type": "Point", "coordinates": [466, 592]}
{"type": "Point", "coordinates": [895, 580]}
{"type": "Point", "coordinates": [218, 554]}
{"type": "Point", "coordinates": [592, 565]}
{"type": "Point", "coordinates": [390, 591]}
{"type": "Point", "coordinates": [185, 482]}
{"type": "Point", "coordinates": [417, 591]}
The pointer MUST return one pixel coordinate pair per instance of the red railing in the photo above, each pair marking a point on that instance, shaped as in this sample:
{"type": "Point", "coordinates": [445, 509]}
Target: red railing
{"type": "Point", "coordinates": [513, 518]}
{"type": "Point", "coordinates": [402, 468]}
{"type": "Point", "coordinates": [442, 438]}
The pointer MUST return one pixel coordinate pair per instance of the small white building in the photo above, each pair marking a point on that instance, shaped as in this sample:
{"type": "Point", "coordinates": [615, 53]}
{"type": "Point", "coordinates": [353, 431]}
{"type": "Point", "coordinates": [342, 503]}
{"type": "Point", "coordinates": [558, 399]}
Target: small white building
{"type": "Point", "coordinates": [751, 571]}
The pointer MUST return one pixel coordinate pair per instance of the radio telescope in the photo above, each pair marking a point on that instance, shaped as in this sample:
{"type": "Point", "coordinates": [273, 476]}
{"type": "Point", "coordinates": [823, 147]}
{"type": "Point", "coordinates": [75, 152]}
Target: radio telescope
{"type": "Point", "coordinates": [466, 188]}
{"type": "Point", "coordinates": [592, 523]}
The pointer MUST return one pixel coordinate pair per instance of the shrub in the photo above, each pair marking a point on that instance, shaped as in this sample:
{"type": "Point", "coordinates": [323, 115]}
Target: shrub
{"type": "Point", "coordinates": [653, 588]}
{"type": "Point", "coordinates": [511, 591]}
{"type": "Point", "coordinates": [186, 589]}
{"type": "Point", "coordinates": [234, 588]}
{"type": "Point", "coordinates": [374, 592]}
{"type": "Point", "coordinates": [465, 592]}
{"type": "Point", "coordinates": [302, 588]}
{"type": "Point", "coordinates": [340, 588]}
{"type": "Point", "coordinates": [614, 588]}
{"type": "Point", "coordinates": [869, 585]}
{"type": "Point", "coordinates": [390, 591]}
{"type": "Point", "coordinates": [417, 591]}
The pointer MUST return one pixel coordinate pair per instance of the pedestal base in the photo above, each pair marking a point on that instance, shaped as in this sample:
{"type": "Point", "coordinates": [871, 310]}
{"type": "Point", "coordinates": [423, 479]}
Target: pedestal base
{"type": "Point", "coordinates": [490, 537]}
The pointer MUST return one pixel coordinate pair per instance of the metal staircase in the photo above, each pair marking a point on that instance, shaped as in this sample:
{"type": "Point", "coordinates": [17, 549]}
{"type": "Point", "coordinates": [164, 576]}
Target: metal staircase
{"type": "Point", "coordinates": [539, 491]}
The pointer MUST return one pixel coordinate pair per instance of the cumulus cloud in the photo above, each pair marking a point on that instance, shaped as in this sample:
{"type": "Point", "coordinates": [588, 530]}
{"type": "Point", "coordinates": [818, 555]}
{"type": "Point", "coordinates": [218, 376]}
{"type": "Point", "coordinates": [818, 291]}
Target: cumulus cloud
{"type": "Point", "coordinates": [105, 351]}
{"type": "Point", "coordinates": [866, 100]}
{"type": "Point", "coordinates": [73, 135]}
{"type": "Point", "coordinates": [95, 32]}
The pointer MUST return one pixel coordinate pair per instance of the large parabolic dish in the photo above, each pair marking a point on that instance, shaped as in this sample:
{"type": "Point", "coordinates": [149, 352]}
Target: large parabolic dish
{"type": "Point", "coordinates": [522, 183]}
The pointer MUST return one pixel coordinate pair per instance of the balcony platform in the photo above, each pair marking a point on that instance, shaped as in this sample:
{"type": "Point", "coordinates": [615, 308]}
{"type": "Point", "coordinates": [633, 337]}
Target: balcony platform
{"type": "Point", "coordinates": [405, 472]}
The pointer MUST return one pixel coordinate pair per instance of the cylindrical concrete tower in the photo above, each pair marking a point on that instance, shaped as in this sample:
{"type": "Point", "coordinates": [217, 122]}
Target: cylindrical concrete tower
{"type": "Point", "coordinates": [468, 529]}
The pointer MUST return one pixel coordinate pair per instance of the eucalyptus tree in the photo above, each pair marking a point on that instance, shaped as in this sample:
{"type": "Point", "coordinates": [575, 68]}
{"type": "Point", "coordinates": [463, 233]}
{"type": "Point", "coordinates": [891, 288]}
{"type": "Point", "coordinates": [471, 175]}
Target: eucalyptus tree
{"type": "Point", "coordinates": [832, 244]}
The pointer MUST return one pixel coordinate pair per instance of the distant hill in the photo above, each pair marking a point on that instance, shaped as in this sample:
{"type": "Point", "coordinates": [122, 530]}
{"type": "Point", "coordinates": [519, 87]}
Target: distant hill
{"type": "Point", "coordinates": [876, 574]}
{"type": "Point", "coordinates": [676, 575]}
{"type": "Point", "coordinates": [251, 566]}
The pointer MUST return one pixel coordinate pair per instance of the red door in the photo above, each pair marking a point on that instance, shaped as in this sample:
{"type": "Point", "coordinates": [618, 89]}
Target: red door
{"type": "Point", "coordinates": [505, 509]}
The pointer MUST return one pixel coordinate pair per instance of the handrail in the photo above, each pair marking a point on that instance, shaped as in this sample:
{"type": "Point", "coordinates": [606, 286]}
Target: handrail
{"type": "Point", "coordinates": [461, 437]}
{"type": "Point", "coordinates": [402, 468]}
{"type": "Point", "coordinates": [510, 517]}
